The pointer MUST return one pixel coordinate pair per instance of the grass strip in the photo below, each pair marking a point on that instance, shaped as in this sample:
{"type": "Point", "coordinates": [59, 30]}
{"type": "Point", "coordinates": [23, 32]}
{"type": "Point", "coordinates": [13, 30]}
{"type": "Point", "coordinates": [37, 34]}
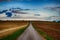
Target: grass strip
{"type": "Point", "coordinates": [15, 34]}
{"type": "Point", "coordinates": [43, 33]}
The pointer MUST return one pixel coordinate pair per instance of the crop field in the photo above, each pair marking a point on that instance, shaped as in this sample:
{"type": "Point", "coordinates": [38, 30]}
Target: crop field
{"type": "Point", "coordinates": [11, 30]}
{"type": "Point", "coordinates": [10, 27]}
{"type": "Point", "coordinates": [52, 29]}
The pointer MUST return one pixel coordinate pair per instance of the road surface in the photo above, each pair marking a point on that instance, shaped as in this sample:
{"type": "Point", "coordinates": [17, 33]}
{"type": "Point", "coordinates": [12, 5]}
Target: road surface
{"type": "Point", "coordinates": [30, 34]}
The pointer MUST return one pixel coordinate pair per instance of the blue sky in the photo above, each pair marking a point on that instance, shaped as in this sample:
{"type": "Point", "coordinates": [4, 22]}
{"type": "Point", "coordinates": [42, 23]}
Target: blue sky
{"type": "Point", "coordinates": [30, 4]}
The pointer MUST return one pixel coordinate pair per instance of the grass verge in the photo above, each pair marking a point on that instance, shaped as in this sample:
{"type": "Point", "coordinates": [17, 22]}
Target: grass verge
{"type": "Point", "coordinates": [44, 35]}
{"type": "Point", "coordinates": [47, 37]}
{"type": "Point", "coordinates": [14, 35]}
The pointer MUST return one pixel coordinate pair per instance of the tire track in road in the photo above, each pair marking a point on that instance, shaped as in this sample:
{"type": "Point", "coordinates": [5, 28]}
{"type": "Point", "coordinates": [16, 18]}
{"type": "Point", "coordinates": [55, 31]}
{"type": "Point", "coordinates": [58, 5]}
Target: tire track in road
{"type": "Point", "coordinates": [30, 34]}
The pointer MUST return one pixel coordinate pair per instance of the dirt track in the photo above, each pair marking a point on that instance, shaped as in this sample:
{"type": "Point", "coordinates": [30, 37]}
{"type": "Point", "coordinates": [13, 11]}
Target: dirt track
{"type": "Point", "coordinates": [11, 24]}
{"type": "Point", "coordinates": [30, 34]}
{"type": "Point", "coordinates": [9, 27]}
{"type": "Point", "coordinates": [50, 28]}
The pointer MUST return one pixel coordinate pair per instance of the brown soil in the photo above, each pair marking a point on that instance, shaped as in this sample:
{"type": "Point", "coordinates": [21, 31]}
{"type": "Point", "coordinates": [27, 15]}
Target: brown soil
{"type": "Point", "coordinates": [10, 24]}
{"type": "Point", "coordinates": [50, 28]}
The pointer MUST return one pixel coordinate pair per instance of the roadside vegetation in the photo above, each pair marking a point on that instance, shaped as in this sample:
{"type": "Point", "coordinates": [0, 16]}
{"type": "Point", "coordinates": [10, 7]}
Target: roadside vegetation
{"type": "Point", "coordinates": [13, 29]}
{"type": "Point", "coordinates": [49, 30]}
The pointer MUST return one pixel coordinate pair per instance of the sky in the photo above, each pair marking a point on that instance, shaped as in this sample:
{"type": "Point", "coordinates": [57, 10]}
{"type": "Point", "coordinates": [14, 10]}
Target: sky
{"type": "Point", "coordinates": [29, 4]}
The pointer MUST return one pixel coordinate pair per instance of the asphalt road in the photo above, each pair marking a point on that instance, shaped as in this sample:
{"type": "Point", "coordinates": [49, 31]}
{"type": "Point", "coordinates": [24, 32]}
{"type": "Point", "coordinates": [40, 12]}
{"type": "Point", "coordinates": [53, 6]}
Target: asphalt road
{"type": "Point", "coordinates": [30, 34]}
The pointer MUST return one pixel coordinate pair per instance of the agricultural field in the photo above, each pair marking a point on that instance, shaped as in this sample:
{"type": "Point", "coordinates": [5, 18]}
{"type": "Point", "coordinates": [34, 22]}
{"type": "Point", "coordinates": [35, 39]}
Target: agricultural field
{"type": "Point", "coordinates": [11, 29]}
{"type": "Point", "coordinates": [49, 30]}
{"type": "Point", "coordinates": [26, 30]}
